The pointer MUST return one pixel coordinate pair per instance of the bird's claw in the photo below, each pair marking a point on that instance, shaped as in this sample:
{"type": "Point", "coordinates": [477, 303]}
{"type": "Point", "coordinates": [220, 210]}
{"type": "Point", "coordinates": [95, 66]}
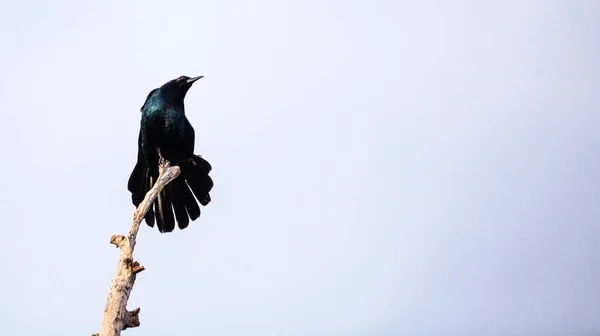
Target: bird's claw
{"type": "Point", "coordinates": [162, 162]}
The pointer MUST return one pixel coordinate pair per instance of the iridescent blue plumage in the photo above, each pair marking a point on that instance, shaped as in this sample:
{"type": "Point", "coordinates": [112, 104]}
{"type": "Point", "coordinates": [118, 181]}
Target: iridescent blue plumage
{"type": "Point", "coordinates": [166, 132]}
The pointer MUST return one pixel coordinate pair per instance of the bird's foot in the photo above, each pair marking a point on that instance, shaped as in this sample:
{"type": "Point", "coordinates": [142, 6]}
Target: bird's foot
{"type": "Point", "coordinates": [162, 162]}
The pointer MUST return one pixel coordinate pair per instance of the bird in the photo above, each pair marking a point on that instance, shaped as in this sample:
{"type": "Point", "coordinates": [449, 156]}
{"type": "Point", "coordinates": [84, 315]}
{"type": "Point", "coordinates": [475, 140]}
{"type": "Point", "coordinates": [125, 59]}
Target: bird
{"type": "Point", "coordinates": [166, 133]}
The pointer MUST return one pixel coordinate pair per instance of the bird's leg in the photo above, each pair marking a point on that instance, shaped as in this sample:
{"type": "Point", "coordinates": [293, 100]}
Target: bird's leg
{"type": "Point", "coordinates": [161, 159]}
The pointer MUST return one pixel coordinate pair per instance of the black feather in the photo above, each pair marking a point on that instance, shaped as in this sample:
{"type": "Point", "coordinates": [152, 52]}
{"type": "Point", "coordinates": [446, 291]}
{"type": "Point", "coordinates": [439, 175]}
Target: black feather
{"type": "Point", "coordinates": [174, 141]}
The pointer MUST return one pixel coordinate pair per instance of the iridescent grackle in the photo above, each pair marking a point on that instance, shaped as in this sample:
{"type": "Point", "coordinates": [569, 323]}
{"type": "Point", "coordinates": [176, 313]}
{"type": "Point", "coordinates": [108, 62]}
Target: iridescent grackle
{"type": "Point", "coordinates": [166, 132]}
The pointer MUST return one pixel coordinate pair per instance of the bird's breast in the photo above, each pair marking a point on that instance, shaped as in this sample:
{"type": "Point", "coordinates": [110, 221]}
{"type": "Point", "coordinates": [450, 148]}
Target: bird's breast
{"type": "Point", "coordinates": [163, 126]}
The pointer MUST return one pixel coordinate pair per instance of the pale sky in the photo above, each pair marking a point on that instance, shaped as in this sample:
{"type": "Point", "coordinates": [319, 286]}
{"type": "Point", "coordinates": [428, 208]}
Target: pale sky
{"type": "Point", "coordinates": [381, 167]}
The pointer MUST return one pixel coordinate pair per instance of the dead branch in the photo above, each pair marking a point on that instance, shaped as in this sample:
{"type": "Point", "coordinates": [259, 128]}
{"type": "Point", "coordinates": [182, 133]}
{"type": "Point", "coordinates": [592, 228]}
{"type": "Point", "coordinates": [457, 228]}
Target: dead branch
{"type": "Point", "coordinates": [116, 315]}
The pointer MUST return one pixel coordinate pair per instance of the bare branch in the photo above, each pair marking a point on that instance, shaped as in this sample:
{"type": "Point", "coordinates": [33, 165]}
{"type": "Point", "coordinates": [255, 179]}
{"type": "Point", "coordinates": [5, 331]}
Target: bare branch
{"type": "Point", "coordinates": [116, 316]}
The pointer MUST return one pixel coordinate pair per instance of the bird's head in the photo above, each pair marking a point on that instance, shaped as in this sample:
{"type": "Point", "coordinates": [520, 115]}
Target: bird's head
{"type": "Point", "coordinates": [177, 88]}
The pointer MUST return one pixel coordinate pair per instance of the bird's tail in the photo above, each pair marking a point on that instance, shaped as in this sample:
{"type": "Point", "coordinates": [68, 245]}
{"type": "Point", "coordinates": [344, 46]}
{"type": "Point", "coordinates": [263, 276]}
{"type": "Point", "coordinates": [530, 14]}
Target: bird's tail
{"type": "Point", "coordinates": [176, 200]}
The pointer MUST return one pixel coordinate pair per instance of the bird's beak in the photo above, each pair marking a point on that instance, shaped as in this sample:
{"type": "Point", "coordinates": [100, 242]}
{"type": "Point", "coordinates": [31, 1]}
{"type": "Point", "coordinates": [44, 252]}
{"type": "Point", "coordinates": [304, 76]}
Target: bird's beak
{"type": "Point", "coordinates": [191, 80]}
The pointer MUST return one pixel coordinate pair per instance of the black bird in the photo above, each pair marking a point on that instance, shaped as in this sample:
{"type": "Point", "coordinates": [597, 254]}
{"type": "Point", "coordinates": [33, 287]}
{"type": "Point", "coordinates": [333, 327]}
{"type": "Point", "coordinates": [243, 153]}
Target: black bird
{"type": "Point", "coordinates": [166, 132]}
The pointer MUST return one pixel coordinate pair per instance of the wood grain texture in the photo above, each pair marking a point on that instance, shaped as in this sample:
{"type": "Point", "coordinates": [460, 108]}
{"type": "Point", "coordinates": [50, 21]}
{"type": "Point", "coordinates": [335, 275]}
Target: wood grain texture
{"type": "Point", "coordinates": [116, 315]}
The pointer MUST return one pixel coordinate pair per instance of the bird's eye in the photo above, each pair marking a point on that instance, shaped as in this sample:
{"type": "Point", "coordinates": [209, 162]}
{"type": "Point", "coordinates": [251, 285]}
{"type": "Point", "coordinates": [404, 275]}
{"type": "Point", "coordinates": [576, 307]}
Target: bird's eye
{"type": "Point", "coordinates": [181, 78]}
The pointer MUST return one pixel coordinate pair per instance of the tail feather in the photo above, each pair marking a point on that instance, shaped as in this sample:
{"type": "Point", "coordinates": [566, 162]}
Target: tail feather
{"type": "Point", "coordinates": [201, 187]}
{"type": "Point", "coordinates": [148, 182]}
{"type": "Point", "coordinates": [191, 205]}
{"type": "Point", "coordinates": [136, 184]}
{"type": "Point", "coordinates": [181, 194]}
{"type": "Point", "coordinates": [176, 201]}
{"type": "Point", "coordinates": [150, 217]}
{"type": "Point", "coordinates": [177, 198]}
{"type": "Point", "coordinates": [139, 183]}
{"type": "Point", "coordinates": [196, 175]}
{"type": "Point", "coordinates": [164, 212]}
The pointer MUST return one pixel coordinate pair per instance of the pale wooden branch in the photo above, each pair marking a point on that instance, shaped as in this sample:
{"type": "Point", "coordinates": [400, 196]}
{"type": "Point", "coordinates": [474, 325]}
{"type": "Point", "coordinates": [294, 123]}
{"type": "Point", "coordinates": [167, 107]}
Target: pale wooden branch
{"type": "Point", "coordinates": [116, 315]}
